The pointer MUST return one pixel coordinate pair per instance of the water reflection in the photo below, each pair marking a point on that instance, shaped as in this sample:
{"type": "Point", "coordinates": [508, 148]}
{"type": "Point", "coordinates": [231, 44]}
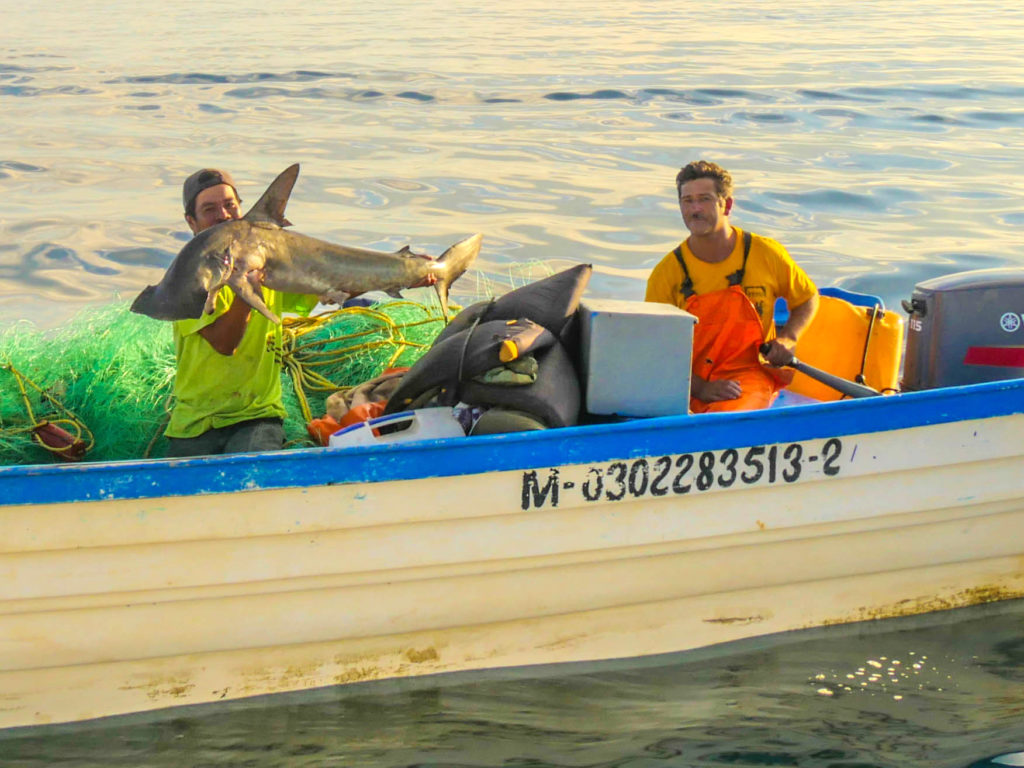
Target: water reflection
{"type": "Point", "coordinates": [558, 125]}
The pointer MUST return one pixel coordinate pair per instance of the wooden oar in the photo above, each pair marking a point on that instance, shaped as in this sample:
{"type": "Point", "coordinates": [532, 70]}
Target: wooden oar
{"type": "Point", "coordinates": [847, 387]}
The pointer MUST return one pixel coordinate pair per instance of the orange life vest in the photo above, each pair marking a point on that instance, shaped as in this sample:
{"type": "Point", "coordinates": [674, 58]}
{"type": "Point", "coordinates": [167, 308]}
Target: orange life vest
{"type": "Point", "coordinates": [726, 341]}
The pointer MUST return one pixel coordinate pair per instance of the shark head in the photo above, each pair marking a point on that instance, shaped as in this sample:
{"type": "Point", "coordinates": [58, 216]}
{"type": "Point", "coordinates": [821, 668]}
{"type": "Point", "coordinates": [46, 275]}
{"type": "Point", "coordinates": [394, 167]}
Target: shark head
{"type": "Point", "coordinates": [190, 285]}
{"type": "Point", "coordinates": [211, 259]}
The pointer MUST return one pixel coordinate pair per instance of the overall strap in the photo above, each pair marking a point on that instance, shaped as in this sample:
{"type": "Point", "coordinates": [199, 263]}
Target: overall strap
{"type": "Point", "coordinates": [736, 278]}
{"type": "Point", "coordinates": [687, 287]}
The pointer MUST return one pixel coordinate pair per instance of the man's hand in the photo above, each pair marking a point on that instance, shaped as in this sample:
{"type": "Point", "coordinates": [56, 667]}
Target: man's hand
{"type": "Point", "coordinates": [779, 352]}
{"type": "Point", "coordinates": [256, 278]}
{"type": "Point", "coordinates": [713, 391]}
{"type": "Point", "coordinates": [782, 349]}
{"type": "Point", "coordinates": [428, 279]}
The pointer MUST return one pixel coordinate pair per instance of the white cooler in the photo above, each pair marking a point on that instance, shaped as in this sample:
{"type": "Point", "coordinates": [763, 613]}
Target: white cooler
{"type": "Point", "coordinates": [635, 357]}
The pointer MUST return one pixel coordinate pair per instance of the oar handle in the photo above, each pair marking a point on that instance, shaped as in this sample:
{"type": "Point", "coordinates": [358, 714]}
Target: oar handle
{"type": "Point", "coordinates": [847, 387]}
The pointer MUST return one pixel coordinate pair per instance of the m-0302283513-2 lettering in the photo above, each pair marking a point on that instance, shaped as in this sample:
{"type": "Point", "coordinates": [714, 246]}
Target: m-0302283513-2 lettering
{"type": "Point", "coordinates": [685, 473]}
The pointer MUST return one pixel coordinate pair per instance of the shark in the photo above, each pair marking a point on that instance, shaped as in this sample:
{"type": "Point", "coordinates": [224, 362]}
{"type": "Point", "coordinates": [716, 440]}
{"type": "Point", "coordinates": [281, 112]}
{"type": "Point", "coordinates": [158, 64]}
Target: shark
{"type": "Point", "coordinates": [227, 254]}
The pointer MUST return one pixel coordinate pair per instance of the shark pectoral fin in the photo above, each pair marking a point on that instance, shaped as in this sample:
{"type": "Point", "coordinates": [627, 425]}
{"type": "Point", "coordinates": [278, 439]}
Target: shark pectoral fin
{"type": "Point", "coordinates": [270, 207]}
{"type": "Point", "coordinates": [211, 301]}
{"type": "Point", "coordinates": [246, 292]}
{"type": "Point", "coordinates": [264, 310]}
{"type": "Point", "coordinates": [334, 297]}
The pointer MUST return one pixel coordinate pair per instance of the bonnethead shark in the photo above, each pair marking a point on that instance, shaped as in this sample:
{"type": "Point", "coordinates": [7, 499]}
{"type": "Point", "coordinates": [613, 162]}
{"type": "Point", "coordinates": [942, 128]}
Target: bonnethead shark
{"type": "Point", "coordinates": [291, 262]}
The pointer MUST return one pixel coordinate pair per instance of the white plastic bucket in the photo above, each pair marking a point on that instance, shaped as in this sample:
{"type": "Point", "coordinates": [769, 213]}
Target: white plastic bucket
{"type": "Point", "coordinates": [424, 424]}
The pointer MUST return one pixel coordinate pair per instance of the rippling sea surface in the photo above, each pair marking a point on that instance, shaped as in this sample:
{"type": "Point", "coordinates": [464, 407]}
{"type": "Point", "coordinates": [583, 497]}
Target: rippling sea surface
{"type": "Point", "coordinates": [925, 692]}
{"type": "Point", "coordinates": [881, 142]}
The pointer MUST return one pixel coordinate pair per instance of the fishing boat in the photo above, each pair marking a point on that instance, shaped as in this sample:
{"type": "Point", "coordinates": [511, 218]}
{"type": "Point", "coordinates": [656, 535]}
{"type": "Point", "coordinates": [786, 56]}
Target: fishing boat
{"type": "Point", "coordinates": [141, 585]}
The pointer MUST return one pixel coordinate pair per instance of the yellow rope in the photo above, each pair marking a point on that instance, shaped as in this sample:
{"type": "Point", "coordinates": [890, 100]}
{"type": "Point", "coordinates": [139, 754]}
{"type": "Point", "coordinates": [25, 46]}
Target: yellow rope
{"type": "Point", "coordinates": [77, 430]}
{"type": "Point", "coordinates": [305, 361]}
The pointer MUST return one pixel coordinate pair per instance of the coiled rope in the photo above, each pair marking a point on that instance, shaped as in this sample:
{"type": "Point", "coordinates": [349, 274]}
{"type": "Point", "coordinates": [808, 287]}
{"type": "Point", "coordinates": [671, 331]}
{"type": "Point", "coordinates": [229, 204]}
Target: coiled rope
{"type": "Point", "coordinates": [317, 364]}
{"type": "Point", "coordinates": [78, 433]}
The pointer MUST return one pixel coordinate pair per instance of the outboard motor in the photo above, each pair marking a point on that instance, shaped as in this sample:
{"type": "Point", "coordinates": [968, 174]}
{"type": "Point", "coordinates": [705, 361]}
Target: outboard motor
{"type": "Point", "coordinates": [965, 328]}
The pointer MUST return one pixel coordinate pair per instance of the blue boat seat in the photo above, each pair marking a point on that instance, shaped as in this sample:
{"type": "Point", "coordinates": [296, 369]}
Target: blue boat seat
{"type": "Point", "coordinates": [781, 312]}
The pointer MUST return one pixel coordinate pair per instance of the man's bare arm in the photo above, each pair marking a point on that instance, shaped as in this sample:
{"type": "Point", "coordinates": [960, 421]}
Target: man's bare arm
{"type": "Point", "coordinates": [225, 333]}
{"type": "Point", "coordinates": [781, 348]}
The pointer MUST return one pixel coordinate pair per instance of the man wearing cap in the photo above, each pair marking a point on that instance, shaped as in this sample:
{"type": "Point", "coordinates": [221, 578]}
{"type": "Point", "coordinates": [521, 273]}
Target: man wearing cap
{"type": "Point", "coordinates": [228, 383]}
{"type": "Point", "coordinates": [210, 197]}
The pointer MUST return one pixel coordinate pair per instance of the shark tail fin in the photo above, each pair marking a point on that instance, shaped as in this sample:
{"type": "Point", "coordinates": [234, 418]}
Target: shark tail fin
{"type": "Point", "coordinates": [455, 261]}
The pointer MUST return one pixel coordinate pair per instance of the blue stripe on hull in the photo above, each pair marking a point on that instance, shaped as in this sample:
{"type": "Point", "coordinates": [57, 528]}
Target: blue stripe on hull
{"type": "Point", "coordinates": [44, 484]}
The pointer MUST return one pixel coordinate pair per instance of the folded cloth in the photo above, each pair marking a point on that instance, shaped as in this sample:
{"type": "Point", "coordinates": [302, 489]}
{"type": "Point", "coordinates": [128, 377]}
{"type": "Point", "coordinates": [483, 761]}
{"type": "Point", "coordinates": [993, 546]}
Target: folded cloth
{"type": "Point", "coordinates": [520, 372]}
{"type": "Point", "coordinates": [376, 390]}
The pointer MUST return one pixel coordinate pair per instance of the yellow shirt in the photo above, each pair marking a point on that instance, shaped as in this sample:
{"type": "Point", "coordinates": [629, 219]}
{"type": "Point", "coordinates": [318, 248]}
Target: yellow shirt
{"type": "Point", "coordinates": [212, 390]}
{"type": "Point", "coordinates": [770, 273]}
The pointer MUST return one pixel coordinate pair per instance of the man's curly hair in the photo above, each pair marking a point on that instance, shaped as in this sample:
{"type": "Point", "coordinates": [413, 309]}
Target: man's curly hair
{"type": "Point", "coordinates": [702, 169]}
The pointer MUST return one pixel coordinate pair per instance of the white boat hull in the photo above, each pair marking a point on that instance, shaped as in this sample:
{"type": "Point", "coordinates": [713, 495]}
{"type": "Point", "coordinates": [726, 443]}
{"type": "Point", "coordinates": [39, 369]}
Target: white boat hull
{"type": "Point", "coordinates": [137, 586]}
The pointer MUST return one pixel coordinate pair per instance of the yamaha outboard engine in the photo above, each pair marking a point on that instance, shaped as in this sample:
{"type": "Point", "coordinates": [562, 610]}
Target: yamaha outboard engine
{"type": "Point", "coordinates": [965, 328]}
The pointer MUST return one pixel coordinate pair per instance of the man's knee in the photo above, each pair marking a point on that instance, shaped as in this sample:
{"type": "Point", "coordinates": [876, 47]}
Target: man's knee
{"type": "Point", "coordinates": [256, 435]}
{"type": "Point", "coordinates": [206, 444]}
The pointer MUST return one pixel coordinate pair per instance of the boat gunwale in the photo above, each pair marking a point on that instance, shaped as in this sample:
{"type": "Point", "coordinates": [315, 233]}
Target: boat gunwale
{"type": "Point", "coordinates": [634, 438]}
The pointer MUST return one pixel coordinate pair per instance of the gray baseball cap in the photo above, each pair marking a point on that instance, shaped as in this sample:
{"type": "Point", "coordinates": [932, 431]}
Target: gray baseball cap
{"type": "Point", "coordinates": [204, 179]}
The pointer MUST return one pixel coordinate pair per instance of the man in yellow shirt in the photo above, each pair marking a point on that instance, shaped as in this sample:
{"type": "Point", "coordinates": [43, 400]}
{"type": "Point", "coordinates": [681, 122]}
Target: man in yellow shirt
{"type": "Point", "coordinates": [730, 279]}
{"type": "Point", "coordinates": [228, 382]}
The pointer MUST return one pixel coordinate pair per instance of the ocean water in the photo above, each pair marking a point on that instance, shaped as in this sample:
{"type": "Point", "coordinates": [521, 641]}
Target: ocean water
{"type": "Point", "coordinates": [881, 142]}
{"type": "Point", "coordinates": [925, 692]}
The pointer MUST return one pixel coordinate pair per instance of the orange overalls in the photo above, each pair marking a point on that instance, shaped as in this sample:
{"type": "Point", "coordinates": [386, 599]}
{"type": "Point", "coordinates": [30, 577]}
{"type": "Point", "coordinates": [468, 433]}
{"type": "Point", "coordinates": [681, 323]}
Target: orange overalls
{"type": "Point", "coordinates": [726, 341]}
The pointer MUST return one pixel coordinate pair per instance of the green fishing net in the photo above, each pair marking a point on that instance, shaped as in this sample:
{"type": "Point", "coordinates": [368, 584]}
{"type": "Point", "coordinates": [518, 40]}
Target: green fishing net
{"type": "Point", "coordinates": [348, 347]}
{"type": "Point", "coordinates": [106, 376]}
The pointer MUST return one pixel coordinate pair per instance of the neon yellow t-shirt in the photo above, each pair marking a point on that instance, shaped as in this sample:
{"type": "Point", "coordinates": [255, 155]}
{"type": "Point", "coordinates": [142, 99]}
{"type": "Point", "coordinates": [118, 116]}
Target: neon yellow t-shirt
{"type": "Point", "coordinates": [214, 390]}
{"type": "Point", "coordinates": [770, 273]}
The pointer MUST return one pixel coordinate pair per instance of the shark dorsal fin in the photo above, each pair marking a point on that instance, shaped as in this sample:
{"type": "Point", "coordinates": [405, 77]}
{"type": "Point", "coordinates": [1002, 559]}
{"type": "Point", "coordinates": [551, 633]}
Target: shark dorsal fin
{"type": "Point", "coordinates": [270, 207]}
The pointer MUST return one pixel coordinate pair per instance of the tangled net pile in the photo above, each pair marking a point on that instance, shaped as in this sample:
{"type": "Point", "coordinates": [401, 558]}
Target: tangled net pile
{"type": "Point", "coordinates": [344, 348]}
{"type": "Point", "coordinates": [106, 377]}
